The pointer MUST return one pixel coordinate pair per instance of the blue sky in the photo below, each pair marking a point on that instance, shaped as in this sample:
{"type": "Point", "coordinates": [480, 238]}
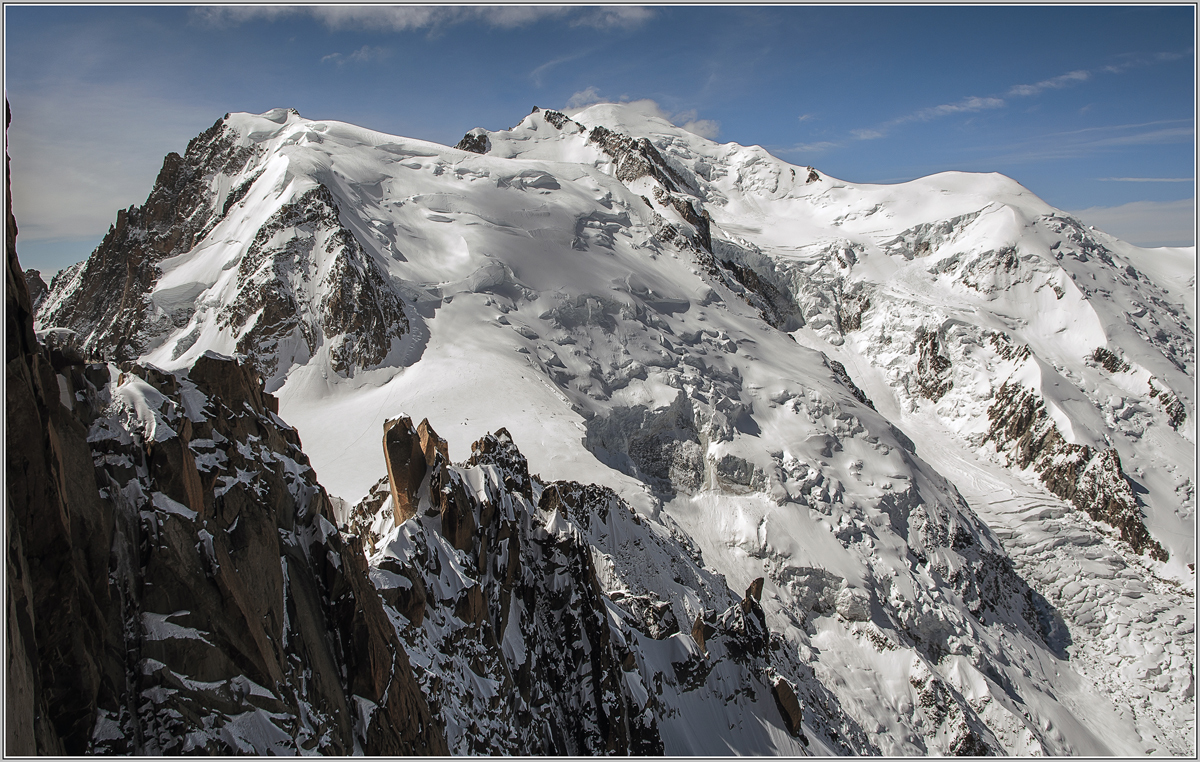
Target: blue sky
{"type": "Point", "coordinates": [1091, 108]}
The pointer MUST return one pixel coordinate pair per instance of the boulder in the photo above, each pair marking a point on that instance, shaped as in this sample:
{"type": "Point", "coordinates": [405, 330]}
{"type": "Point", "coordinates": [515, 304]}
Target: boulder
{"type": "Point", "coordinates": [789, 705]}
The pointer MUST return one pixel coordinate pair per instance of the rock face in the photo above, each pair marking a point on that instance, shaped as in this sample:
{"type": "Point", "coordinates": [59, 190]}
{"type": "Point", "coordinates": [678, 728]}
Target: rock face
{"type": "Point", "coordinates": [37, 288]}
{"type": "Point", "coordinates": [231, 617]}
{"type": "Point", "coordinates": [303, 255]}
{"type": "Point", "coordinates": [932, 368]}
{"type": "Point", "coordinates": [406, 465]}
{"type": "Point", "coordinates": [1092, 480]}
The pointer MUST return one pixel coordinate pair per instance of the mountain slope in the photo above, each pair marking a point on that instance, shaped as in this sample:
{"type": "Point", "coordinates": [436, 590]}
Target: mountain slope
{"type": "Point", "coordinates": [733, 345]}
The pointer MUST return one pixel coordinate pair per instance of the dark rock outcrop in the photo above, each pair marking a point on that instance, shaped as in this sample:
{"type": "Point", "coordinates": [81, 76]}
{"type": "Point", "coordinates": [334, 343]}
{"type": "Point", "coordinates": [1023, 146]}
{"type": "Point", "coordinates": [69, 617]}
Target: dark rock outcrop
{"type": "Point", "coordinates": [933, 368]}
{"type": "Point", "coordinates": [1090, 479]}
{"type": "Point", "coordinates": [839, 372]}
{"type": "Point", "coordinates": [406, 465]}
{"type": "Point", "coordinates": [634, 158]}
{"type": "Point", "coordinates": [776, 306]}
{"type": "Point", "coordinates": [1109, 361]}
{"type": "Point", "coordinates": [1169, 401]}
{"type": "Point", "coordinates": [789, 705]}
{"type": "Point", "coordinates": [475, 141]}
{"type": "Point", "coordinates": [37, 289]}
{"type": "Point", "coordinates": [356, 311]}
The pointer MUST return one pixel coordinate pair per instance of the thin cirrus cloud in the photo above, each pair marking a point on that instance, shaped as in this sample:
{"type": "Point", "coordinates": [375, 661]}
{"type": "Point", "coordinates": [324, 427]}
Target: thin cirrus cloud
{"type": "Point", "coordinates": [1132, 61]}
{"type": "Point", "coordinates": [1146, 179]}
{"type": "Point", "coordinates": [966, 105]}
{"type": "Point", "coordinates": [538, 75]}
{"type": "Point", "coordinates": [975, 104]}
{"type": "Point", "coordinates": [1095, 140]}
{"type": "Point", "coordinates": [417, 17]}
{"type": "Point", "coordinates": [365, 54]}
{"type": "Point", "coordinates": [1146, 223]}
{"type": "Point", "coordinates": [1054, 83]}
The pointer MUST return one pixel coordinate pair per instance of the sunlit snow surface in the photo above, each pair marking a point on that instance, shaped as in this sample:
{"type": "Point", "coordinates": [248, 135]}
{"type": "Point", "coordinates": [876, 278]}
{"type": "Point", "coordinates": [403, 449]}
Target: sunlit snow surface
{"type": "Point", "coordinates": [542, 300]}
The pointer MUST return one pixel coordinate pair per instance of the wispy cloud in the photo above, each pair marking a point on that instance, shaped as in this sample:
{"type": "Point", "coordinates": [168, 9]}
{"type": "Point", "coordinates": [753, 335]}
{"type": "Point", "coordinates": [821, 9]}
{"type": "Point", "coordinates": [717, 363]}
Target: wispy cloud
{"type": "Point", "coordinates": [866, 134]}
{"type": "Point", "coordinates": [974, 104]}
{"type": "Point", "coordinates": [1132, 61]}
{"type": "Point", "coordinates": [614, 17]}
{"type": "Point", "coordinates": [1146, 223]}
{"type": "Point", "coordinates": [584, 98]}
{"type": "Point", "coordinates": [1094, 140]}
{"type": "Point", "coordinates": [705, 128]}
{"type": "Point", "coordinates": [1146, 179]}
{"type": "Point", "coordinates": [819, 147]}
{"type": "Point", "coordinates": [1054, 83]}
{"type": "Point", "coordinates": [538, 74]}
{"type": "Point", "coordinates": [966, 105]}
{"type": "Point", "coordinates": [365, 54]}
{"type": "Point", "coordinates": [688, 120]}
{"type": "Point", "coordinates": [806, 117]}
{"type": "Point", "coordinates": [418, 17]}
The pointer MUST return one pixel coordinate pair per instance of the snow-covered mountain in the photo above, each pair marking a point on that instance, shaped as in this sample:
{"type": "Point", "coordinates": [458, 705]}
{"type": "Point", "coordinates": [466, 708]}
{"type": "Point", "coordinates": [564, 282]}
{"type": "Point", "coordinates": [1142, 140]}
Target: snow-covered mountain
{"type": "Point", "coordinates": [951, 428]}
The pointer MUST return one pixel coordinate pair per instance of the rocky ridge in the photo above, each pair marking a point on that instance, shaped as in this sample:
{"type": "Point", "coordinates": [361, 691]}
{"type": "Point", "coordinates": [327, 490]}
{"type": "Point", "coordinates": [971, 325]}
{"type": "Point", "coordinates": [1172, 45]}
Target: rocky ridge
{"type": "Point", "coordinates": [541, 591]}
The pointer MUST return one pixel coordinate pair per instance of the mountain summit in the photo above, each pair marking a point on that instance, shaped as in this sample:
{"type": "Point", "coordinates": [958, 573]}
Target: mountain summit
{"type": "Point", "coordinates": [735, 457]}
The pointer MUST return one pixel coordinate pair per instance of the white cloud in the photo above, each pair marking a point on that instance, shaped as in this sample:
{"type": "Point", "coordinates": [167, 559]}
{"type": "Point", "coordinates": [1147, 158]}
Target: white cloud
{"type": "Point", "coordinates": [866, 134]}
{"type": "Point", "coordinates": [537, 75]}
{"type": "Point", "coordinates": [705, 128]}
{"type": "Point", "coordinates": [812, 148]}
{"type": "Point", "coordinates": [365, 54]}
{"type": "Point", "coordinates": [584, 98]}
{"type": "Point", "coordinates": [231, 15]}
{"type": "Point", "coordinates": [414, 17]}
{"type": "Point", "coordinates": [370, 54]}
{"type": "Point", "coordinates": [1054, 83]}
{"type": "Point", "coordinates": [966, 105]}
{"type": "Point", "coordinates": [1095, 140]}
{"type": "Point", "coordinates": [805, 117]}
{"type": "Point", "coordinates": [975, 103]}
{"type": "Point", "coordinates": [615, 17]}
{"type": "Point", "coordinates": [1146, 223]}
{"type": "Point", "coordinates": [650, 107]}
